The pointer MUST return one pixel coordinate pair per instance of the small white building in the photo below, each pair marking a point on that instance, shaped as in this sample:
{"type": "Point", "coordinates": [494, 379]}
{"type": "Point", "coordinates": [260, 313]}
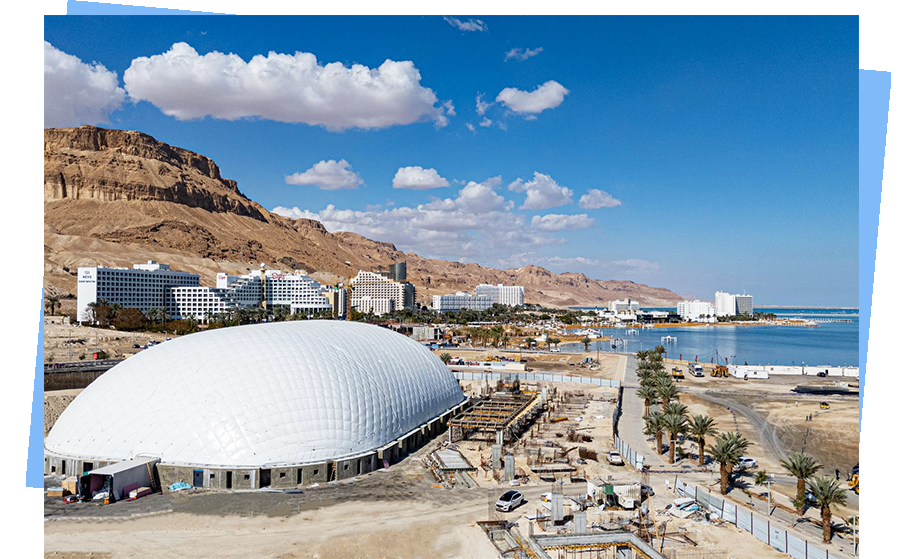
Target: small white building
{"type": "Point", "coordinates": [626, 306]}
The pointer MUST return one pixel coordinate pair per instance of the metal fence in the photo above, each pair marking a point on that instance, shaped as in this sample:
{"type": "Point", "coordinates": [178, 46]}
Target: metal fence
{"type": "Point", "coordinates": [630, 456]}
{"type": "Point", "coordinates": [537, 377]}
{"type": "Point", "coordinates": [758, 525]}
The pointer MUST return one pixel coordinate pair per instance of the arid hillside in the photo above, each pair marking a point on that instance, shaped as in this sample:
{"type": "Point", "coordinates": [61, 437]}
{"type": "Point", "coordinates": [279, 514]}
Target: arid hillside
{"type": "Point", "coordinates": [114, 197]}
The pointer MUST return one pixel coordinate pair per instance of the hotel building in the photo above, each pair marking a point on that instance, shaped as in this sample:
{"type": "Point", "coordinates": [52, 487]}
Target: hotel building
{"type": "Point", "coordinates": [378, 293]}
{"type": "Point", "coordinates": [462, 300]}
{"type": "Point", "coordinates": [143, 286]}
{"type": "Point", "coordinates": [730, 305]}
{"type": "Point", "coordinates": [697, 311]}
{"type": "Point", "coordinates": [511, 295]}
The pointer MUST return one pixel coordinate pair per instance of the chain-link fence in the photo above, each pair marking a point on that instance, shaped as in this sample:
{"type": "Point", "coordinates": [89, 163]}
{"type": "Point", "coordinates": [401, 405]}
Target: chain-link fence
{"type": "Point", "coordinates": [758, 525]}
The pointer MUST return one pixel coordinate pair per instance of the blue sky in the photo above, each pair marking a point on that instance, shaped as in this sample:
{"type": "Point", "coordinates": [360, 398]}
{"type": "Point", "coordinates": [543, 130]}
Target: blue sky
{"type": "Point", "coordinates": [726, 149]}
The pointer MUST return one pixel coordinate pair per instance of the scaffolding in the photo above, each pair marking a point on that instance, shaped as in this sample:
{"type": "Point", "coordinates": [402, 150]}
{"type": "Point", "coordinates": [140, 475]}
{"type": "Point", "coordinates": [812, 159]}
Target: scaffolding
{"type": "Point", "coordinates": [497, 418]}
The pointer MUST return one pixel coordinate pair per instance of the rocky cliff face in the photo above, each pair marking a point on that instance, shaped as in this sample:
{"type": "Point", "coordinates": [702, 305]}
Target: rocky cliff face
{"type": "Point", "coordinates": [112, 165]}
{"type": "Point", "coordinates": [114, 198]}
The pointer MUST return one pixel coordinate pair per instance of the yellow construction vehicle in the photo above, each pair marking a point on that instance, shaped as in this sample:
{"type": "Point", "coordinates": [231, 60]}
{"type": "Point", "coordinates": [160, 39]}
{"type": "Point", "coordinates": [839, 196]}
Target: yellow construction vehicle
{"type": "Point", "coordinates": [854, 479]}
{"type": "Point", "coordinates": [824, 405]}
{"type": "Point", "coordinates": [720, 371]}
{"type": "Point", "coordinates": [677, 374]}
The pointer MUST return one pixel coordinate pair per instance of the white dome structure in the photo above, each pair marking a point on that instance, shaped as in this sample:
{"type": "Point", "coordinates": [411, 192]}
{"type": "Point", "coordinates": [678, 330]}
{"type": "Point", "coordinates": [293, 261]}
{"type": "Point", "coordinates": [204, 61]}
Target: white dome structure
{"type": "Point", "coordinates": [287, 393]}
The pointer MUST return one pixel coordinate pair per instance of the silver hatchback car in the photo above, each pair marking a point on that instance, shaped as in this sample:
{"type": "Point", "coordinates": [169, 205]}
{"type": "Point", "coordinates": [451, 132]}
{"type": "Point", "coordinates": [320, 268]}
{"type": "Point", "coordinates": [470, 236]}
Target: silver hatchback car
{"type": "Point", "coordinates": [509, 500]}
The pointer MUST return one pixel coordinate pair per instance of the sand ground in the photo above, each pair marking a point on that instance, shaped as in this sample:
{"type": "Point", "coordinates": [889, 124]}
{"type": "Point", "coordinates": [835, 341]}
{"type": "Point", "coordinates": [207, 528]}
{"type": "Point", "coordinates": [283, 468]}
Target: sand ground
{"type": "Point", "coordinates": [65, 343]}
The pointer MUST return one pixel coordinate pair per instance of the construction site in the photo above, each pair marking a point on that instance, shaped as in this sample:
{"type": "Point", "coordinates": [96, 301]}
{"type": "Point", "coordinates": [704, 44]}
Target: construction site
{"type": "Point", "coordinates": [522, 467]}
{"type": "Point", "coordinates": [552, 442]}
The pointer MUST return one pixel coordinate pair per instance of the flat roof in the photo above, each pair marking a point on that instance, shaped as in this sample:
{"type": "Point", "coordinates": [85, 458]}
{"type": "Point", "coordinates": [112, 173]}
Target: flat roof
{"type": "Point", "coordinates": [124, 466]}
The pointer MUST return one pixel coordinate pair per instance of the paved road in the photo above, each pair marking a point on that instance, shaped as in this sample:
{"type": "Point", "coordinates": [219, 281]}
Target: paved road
{"type": "Point", "coordinates": [631, 424]}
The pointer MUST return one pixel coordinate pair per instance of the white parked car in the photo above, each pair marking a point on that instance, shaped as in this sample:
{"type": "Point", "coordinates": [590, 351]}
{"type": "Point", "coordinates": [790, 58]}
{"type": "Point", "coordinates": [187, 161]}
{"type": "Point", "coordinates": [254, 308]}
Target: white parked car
{"type": "Point", "coordinates": [746, 463]}
{"type": "Point", "coordinates": [509, 500]}
{"type": "Point", "coordinates": [614, 458]}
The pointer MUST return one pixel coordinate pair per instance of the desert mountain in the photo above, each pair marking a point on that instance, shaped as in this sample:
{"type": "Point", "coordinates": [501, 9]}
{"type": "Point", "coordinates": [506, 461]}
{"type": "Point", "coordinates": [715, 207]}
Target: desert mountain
{"type": "Point", "coordinates": [115, 197]}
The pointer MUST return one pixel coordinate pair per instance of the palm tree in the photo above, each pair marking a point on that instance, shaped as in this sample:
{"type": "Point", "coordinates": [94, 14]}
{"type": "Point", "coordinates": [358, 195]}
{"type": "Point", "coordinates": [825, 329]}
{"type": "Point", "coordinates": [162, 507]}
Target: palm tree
{"type": "Point", "coordinates": [52, 303]}
{"type": "Point", "coordinates": [666, 392]}
{"type": "Point", "coordinates": [801, 466]}
{"type": "Point", "coordinates": [653, 427]}
{"type": "Point", "coordinates": [675, 424]}
{"type": "Point", "coordinates": [446, 357]}
{"type": "Point", "coordinates": [587, 342]}
{"type": "Point", "coordinates": [529, 341]}
{"type": "Point", "coordinates": [701, 426]}
{"type": "Point", "coordinates": [647, 393]}
{"type": "Point", "coordinates": [828, 493]}
{"type": "Point", "coordinates": [676, 407]}
{"type": "Point", "coordinates": [728, 448]}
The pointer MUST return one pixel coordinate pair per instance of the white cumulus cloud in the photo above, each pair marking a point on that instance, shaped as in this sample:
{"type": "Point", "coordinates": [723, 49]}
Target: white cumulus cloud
{"type": "Point", "coordinates": [417, 178]}
{"type": "Point", "coordinates": [327, 175]}
{"type": "Point", "coordinates": [559, 222]}
{"type": "Point", "coordinates": [295, 213]}
{"type": "Point", "coordinates": [547, 96]}
{"type": "Point", "coordinates": [469, 25]}
{"type": "Point", "coordinates": [283, 87]}
{"type": "Point", "coordinates": [596, 199]}
{"type": "Point", "coordinates": [481, 106]}
{"type": "Point", "coordinates": [476, 222]}
{"type": "Point", "coordinates": [522, 54]}
{"type": "Point", "coordinates": [77, 93]}
{"type": "Point", "coordinates": [542, 192]}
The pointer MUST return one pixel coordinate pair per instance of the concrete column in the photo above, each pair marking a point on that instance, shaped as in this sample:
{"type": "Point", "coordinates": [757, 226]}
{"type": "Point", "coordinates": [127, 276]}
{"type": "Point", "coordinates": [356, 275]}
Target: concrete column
{"type": "Point", "coordinates": [581, 522]}
{"type": "Point", "coordinates": [496, 453]}
{"type": "Point", "coordinates": [509, 464]}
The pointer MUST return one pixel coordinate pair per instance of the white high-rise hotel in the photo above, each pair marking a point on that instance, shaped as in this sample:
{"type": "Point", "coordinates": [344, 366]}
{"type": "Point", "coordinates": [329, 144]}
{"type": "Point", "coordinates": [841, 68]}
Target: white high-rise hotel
{"type": "Point", "coordinates": [511, 295]}
{"type": "Point", "coordinates": [379, 293]}
{"type": "Point", "coordinates": [697, 311]}
{"type": "Point", "coordinates": [462, 300]}
{"type": "Point", "coordinates": [144, 286]}
{"type": "Point", "coordinates": [299, 293]}
{"type": "Point", "coordinates": [154, 285]}
{"type": "Point", "coordinates": [486, 295]}
{"type": "Point", "coordinates": [730, 305]}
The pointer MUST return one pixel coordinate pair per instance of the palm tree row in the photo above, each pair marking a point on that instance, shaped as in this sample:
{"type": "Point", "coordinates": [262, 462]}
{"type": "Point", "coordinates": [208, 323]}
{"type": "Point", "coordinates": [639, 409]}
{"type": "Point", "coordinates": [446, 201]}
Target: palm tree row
{"type": "Point", "coordinates": [657, 386]}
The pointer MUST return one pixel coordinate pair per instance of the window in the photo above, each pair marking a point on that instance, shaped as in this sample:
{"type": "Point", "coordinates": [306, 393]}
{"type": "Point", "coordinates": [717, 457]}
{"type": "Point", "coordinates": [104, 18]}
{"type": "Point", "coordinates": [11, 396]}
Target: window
{"type": "Point", "coordinates": [246, 477]}
{"type": "Point", "coordinates": [281, 475]}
